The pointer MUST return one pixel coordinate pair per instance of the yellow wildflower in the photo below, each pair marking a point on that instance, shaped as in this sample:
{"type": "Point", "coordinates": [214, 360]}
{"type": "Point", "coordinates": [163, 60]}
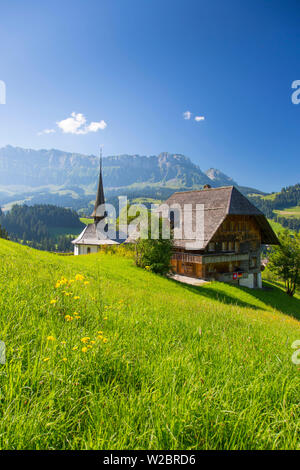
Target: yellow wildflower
{"type": "Point", "coordinates": [64, 359]}
{"type": "Point", "coordinates": [76, 297]}
{"type": "Point", "coordinates": [63, 343]}
{"type": "Point", "coordinates": [104, 340]}
{"type": "Point", "coordinates": [50, 338]}
{"type": "Point", "coordinates": [85, 339]}
{"type": "Point", "coordinates": [100, 332]}
{"type": "Point", "coordinates": [46, 359]}
{"type": "Point", "coordinates": [68, 318]}
{"type": "Point", "coordinates": [86, 283]}
{"type": "Point", "coordinates": [84, 349]}
{"type": "Point", "coordinates": [79, 277]}
{"type": "Point", "coordinates": [105, 318]}
{"type": "Point", "coordinates": [75, 348]}
{"type": "Point", "coordinates": [53, 301]}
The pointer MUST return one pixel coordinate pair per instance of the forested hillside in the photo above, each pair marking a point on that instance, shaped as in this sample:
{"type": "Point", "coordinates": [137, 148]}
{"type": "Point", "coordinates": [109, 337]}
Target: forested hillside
{"type": "Point", "coordinates": [42, 226]}
{"type": "Point", "coordinates": [282, 207]}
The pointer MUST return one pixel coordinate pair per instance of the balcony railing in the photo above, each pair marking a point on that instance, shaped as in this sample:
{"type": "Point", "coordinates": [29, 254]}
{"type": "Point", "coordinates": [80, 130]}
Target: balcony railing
{"type": "Point", "coordinates": [187, 258]}
{"type": "Point", "coordinates": [210, 257]}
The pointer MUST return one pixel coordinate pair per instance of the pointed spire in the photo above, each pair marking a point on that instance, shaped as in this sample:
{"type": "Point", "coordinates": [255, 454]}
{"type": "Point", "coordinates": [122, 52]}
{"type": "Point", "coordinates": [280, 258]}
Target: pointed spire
{"type": "Point", "coordinates": [99, 212]}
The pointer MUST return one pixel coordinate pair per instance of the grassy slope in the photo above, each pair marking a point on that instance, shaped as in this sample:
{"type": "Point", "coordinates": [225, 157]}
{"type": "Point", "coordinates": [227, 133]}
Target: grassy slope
{"type": "Point", "coordinates": [290, 212]}
{"type": "Point", "coordinates": [183, 367]}
{"type": "Point", "coordinates": [86, 220]}
{"type": "Point", "coordinates": [277, 227]}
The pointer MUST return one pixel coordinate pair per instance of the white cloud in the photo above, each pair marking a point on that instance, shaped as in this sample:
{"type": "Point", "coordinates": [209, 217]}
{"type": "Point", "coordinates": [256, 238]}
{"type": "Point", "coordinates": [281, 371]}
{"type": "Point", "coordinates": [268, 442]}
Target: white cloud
{"type": "Point", "coordinates": [199, 118]}
{"type": "Point", "coordinates": [72, 124]}
{"type": "Point", "coordinates": [187, 115]}
{"type": "Point", "coordinates": [47, 131]}
{"type": "Point", "coordinates": [76, 124]}
{"type": "Point", "coordinates": [95, 126]}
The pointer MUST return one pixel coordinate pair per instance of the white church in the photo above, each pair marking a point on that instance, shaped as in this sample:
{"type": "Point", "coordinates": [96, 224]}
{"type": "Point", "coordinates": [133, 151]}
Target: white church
{"type": "Point", "coordinates": [93, 236]}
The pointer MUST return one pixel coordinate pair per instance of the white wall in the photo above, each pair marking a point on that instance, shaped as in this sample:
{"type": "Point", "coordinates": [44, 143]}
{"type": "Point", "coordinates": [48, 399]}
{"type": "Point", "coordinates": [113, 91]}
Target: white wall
{"type": "Point", "coordinates": [247, 282]}
{"type": "Point", "coordinates": [83, 249]}
{"type": "Point", "coordinates": [259, 280]}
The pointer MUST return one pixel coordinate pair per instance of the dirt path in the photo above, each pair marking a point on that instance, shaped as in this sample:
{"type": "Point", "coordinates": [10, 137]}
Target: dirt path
{"type": "Point", "coordinates": [188, 280]}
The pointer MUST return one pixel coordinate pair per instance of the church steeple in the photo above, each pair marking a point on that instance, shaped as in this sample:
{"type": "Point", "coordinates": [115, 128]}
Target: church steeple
{"type": "Point", "coordinates": [99, 208]}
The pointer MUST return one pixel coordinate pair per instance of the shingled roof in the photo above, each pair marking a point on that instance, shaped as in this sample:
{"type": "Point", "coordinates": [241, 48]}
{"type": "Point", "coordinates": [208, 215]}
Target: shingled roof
{"type": "Point", "coordinates": [99, 207]}
{"type": "Point", "coordinates": [218, 203]}
{"type": "Point", "coordinates": [91, 236]}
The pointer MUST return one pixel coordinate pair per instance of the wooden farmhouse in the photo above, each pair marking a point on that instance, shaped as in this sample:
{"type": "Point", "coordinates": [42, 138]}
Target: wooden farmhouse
{"type": "Point", "coordinates": [234, 232]}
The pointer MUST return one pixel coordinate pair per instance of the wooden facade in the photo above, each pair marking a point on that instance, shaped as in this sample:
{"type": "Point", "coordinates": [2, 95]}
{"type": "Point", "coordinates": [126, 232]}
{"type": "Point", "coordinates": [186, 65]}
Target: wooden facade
{"type": "Point", "coordinates": [235, 248]}
{"type": "Point", "coordinates": [234, 231]}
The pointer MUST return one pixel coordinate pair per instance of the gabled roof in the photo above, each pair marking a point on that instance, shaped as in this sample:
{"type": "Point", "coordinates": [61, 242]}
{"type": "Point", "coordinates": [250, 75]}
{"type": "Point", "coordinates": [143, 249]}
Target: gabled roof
{"type": "Point", "coordinates": [218, 203]}
{"type": "Point", "coordinates": [91, 236]}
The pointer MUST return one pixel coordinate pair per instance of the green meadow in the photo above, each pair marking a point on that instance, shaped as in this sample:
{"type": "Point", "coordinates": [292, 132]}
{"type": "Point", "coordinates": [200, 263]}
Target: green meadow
{"type": "Point", "coordinates": [290, 212]}
{"type": "Point", "coordinates": [86, 220]}
{"type": "Point", "coordinates": [103, 355]}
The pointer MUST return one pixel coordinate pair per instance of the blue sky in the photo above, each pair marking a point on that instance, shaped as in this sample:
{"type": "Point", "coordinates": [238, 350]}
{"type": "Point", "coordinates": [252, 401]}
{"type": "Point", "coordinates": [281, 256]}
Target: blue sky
{"type": "Point", "coordinates": [135, 66]}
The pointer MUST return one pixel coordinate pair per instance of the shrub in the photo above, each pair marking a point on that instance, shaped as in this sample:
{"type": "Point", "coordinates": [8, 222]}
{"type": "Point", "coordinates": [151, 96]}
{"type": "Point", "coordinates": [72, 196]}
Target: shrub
{"type": "Point", "coordinates": [285, 261]}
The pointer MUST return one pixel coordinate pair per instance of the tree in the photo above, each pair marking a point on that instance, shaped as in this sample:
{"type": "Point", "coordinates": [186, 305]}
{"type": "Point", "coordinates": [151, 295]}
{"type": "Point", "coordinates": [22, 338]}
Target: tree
{"type": "Point", "coordinates": [154, 254]}
{"type": "Point", "coordinates": [284, 261]}
{"type": "Point", "coordinates": [3, 233]}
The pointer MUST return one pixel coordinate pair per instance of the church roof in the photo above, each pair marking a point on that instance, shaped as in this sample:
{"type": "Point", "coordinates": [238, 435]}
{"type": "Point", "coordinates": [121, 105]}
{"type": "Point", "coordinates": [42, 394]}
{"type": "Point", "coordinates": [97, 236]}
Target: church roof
{"type": "Point", "coordinates": [218, 203]}
{"type": "Point", "coordinates": [91, 236]}
{"type": "Point", "coordinates": [98, 211]}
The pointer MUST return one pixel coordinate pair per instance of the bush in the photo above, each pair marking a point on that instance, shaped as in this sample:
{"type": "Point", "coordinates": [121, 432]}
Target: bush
{"type": "Point", "coordinates": [155, 254]}
{"type": "Point", "coordinates": [285, 261]}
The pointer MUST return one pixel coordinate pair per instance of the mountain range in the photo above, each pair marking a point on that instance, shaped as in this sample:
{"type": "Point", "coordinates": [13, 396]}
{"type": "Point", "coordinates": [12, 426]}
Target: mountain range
{"type": "Point", "coordinates": [70, 179]}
